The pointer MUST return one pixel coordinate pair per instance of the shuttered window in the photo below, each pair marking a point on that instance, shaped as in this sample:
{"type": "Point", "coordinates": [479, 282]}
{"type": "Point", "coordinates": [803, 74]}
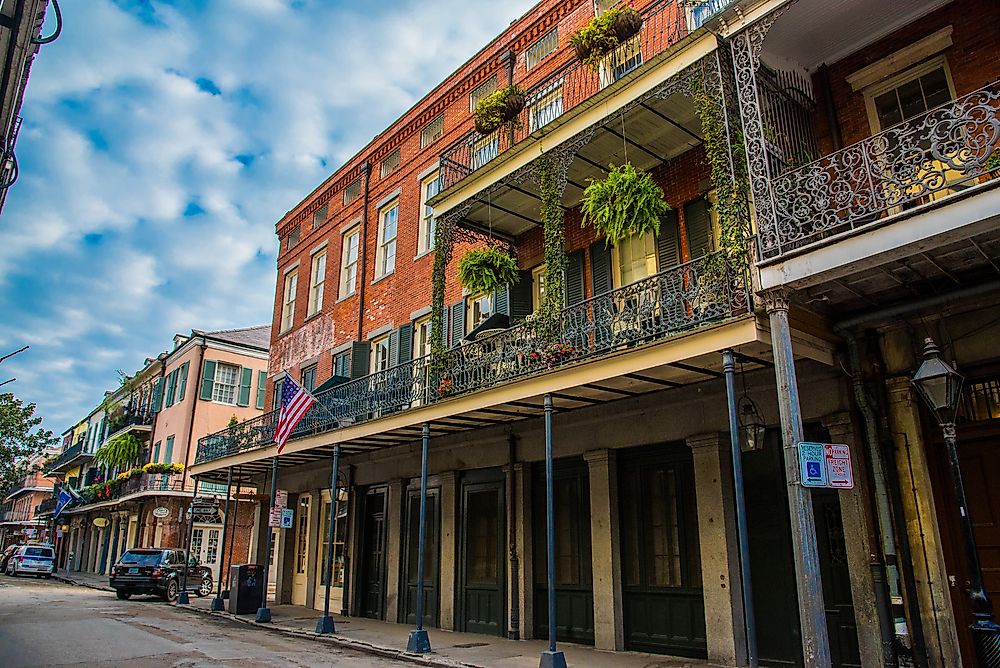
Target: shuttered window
{"type": "Point", "coordinates": [226, 384]}
{"type": "Point", "coordinates": [261, 388]}
{"type": "Point", "coordinates": [182, 381]}
{"type": "Point", "coordinates": [698, 222]}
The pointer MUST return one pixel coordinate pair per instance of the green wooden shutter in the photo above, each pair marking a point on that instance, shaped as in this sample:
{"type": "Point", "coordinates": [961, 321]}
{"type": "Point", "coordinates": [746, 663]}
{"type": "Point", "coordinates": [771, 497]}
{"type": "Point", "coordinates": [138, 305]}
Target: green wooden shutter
{"type": "Point", "coordinates": [600, 267]}
{"type": "Point", "coordinates": [699, 227]}
{"type": "Point", "coordinates": [261, 388]}
{"type": "Point", "coordinates": [171, 387]}
{"type": "Point", "coordinates": [360, 351]}
{"type": "Point", "coordinates": [393, 346]}
{"type": "Point", "coordinates": [574, 278]}
{"type": "Point", "coordinates": [501, 300]}
{"type": "Point", "coordinates": [404, 347]}
{"type": "Point", "coordinates": [457, 322]}
{"type": "Point", "coordinates": [520, 298]}
{"type": "Point", "coordinates": [246, 377]}
{"type": "Point", "coordinates": [183, 381]}
{"type": "Point", "coordinates": [156, 452]}
{"type": "Point", "coordinates": [168, 451]}
{"type": "Point", "coordinates": [668, 250]}
{"type": "Point", "coordinates": [158, 395]}
{"type": "Point", "coordinates": [207, 380]}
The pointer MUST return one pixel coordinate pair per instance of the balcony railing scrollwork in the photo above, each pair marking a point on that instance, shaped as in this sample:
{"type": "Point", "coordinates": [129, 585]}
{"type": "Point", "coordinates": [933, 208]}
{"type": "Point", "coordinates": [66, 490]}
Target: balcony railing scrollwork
{"type": "Point", "coordinates": [923, 159]}
{"type": "Point", "coordinates": [690, 295]}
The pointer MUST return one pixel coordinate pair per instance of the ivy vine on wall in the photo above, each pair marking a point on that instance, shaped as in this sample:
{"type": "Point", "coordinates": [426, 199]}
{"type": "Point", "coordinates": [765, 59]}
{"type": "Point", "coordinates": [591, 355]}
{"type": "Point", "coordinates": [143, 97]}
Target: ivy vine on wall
{"type": "Point", "coordinates": [554, 246]}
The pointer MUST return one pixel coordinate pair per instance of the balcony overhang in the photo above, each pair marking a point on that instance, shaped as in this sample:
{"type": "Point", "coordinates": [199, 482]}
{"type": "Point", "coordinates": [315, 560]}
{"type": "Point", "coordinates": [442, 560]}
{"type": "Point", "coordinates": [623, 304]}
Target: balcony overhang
{"type": "Point", "coordinates": [72, 462]}
{"type": "Point", "coordinates": [679, 361]}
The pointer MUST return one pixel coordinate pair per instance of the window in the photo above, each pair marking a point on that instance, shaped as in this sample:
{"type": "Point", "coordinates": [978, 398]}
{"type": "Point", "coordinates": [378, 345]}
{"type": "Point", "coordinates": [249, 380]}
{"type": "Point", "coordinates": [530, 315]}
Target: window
{"type": "Point", "coordinates": [430, 187]}
{"type": "Point", "coordinates": [481, 91]}
{"type": "Point", "coordinates": [309, 377]}
{"type": "Point", "coordinates": [316, 284]}
{"type": "Point", "coordinates": [349, 264]}
{"type": "Point", "coordinates": [546, 107]}
{"type": "Point", "coordinates": [635, 259]}
{"type": "Point", "coordinates": [537, 286]}
{"type": "Point", "coordinates": [319, 217]}
{"type": "Point", "coordinates": [546, 45]}
{"type": "Point", "coordinates": [432, 132]}
{"type": "Point", "coordinates": [352, 191]}
{"type": "Point", "coordinates": [390, 163]}
{"type": "Point", "coordinates": [601, 6]}
{"type": "Point", "coordinates": [156, 453]}
{"type": "Point", "coordinates": [909, 95]}
{"type": "Point", "coordinates": [227, 383]}
{"type": "Point", "coordinates": [276, 397]}
{"type": "Point", "coordinates": [380, 354]}
{"type": "Point", "coordinates": [485, 150]}
{"type": "Point", "coordinates": [620, 62]}
{"type": "Point", "coordinates": [422, 337]}
{"type": "Point", "coordinates": [292, 238]}
{"type": "Point", "coordinates": [385, 263]}
{"type": "Point", "coordinates": [342, 364]}
{"type": "Point", "coordinates": [288, 303]}
{"type": "Point", "coordinates": [168, 451]}
{"type": "Point", "coordinates": [478, 309]}
{"type": "Point", "coordinates": [171, 387]}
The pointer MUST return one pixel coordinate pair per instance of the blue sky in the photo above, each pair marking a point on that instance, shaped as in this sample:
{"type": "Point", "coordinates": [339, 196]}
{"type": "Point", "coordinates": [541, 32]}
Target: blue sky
{"type": "Point", "coordinates": [161, 143]}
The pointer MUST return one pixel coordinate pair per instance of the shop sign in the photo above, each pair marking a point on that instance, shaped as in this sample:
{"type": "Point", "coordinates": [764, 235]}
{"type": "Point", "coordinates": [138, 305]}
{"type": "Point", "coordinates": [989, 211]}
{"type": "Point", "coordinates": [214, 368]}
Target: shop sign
{"type": "Point", "coordinates": [100, 522]}
{"type": "Point", "coordinates": [161, 512]}
{"type": "Point", "coordinates": [825, 465]}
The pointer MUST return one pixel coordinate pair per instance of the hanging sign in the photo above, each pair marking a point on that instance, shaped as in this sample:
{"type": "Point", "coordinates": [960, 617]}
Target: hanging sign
{"type": "Point", "coordinates": [161, 512]}
{"type": "Point", "coordinates": [287, 517]}
{"type": "Point", "coordinates": [100, 522]}
{"type": "Point", "coordinates": [826, 465]}
{"type": "Point", "coordinates": [281, 498]}
{"type": "Point", "coordinates": [274, 518]}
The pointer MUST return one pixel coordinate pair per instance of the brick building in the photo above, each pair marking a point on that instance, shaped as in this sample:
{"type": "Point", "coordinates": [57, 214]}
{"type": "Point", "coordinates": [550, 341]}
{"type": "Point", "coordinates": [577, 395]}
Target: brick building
{"type": "Point", "coordinates": [20, 520]}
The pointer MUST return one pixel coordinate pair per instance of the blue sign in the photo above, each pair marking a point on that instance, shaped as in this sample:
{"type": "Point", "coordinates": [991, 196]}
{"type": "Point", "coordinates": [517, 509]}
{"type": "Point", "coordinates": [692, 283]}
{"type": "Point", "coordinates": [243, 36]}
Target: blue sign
{"type": "Point", "coordinates": [812, 465]}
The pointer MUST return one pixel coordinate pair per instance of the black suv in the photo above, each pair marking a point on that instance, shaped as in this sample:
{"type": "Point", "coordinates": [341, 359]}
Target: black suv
{"type": "Point", "coordinates": [158, 571]}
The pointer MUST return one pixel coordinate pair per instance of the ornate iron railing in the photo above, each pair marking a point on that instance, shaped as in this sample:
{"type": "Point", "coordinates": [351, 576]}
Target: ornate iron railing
{"type": "Point", "coordinates": [46, 506]}
{"type": "Point", "coordinates": [926, 158]}
{"type": "Point", "coordinates": [664, 24]}
{"type": "Point", "coordinates": [679, 299]}
{"type": "Point", "coordinates": [129, 420]}
{"type": "Point", "coordinates": [698, 11]}
{"type": "Point", "coordinates": [67, 456]}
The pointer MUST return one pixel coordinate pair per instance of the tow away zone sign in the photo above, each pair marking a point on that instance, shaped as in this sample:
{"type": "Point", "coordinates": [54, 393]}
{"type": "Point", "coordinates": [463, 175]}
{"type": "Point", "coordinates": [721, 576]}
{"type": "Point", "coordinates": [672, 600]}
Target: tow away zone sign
{"type": "Point", "coordinates": [826, 465]}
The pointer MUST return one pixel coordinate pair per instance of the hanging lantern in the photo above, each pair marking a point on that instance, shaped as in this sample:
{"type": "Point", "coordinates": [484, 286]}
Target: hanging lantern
{"type": "Point", "coordinates": [752, 427]}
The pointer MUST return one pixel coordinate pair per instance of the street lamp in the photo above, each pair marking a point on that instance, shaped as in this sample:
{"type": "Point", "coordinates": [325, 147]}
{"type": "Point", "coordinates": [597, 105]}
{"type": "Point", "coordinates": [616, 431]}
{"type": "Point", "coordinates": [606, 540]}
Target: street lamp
{"type": "Point", "coordinates": [940, 386]}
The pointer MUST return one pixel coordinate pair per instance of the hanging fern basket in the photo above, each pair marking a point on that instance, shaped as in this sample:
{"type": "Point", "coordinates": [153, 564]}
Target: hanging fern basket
{"type": "Point", "coordinates": [483, 270]}
{"type": "Point", "coordinates": [626, 202]}
{"type": "Point", "coordinates": [604, 34]}
{"type": "Point", "coordinates": [498, 108]}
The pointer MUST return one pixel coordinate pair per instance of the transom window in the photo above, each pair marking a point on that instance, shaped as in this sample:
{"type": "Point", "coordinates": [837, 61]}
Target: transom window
{"type": "Point", "coordinates": [601, 6]}
{"type": "Point", "coordinates": [481, 91]}
{"type": "Point", "coordinates": [226, 386]}
{"type": "Point", "coordinates": [545, 45]}
{"type": "Point", "coordinates": [391, 163]}
{"type": "Point", "coordinates": [388, 222]}
{"type": "Point", "coordinates": [349, 264]}
{"type": "Point", "coordinates": [288, 304]}
{"type": "Point", "coordinates": [352, 191]}
{"type": "Point", "coordinates": [635, 259]}
{"type": "Point", "coordinates": [319, 216]}
{"type": "Point", "coordinates": [430, 187]}
{"type": "Point", "coordinates": [432, 132]}
{"type": "Point", "coordinates": [292, 238]}
{"type": "Point", "coordinates": [317, 282]}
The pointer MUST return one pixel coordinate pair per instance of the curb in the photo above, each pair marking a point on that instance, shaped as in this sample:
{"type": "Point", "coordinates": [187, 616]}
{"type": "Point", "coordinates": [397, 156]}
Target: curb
{"type": "Point", "coordinates": [77, 583]}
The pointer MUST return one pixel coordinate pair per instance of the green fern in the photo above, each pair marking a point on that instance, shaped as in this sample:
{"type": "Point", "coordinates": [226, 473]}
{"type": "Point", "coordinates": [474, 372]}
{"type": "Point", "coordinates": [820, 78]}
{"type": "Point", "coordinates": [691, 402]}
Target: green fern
{"type": "Point", "coordinates": [624, 203]}
{"type": "Point", "coordinates": [121, 451]}
{"type": "Point", "coordinates": [483, 270]}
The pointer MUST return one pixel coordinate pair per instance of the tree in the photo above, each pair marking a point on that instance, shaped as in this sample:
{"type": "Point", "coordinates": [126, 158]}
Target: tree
{"type": "Point", "coordinates": [21, 441]}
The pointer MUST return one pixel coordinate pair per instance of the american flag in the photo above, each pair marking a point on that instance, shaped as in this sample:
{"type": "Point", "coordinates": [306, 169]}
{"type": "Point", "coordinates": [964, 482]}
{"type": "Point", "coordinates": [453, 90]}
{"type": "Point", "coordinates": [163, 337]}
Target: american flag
{"type": "Point", "coordinates": [295, 402]}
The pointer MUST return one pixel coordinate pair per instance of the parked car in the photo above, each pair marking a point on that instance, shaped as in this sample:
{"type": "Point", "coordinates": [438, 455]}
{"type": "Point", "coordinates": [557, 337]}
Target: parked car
{"type": "Point", "coordinates": [5, 556]}
{"type": "Point", "coordinates": [36, 559]}
{"type": "Point", "coordinates": [158, 571]}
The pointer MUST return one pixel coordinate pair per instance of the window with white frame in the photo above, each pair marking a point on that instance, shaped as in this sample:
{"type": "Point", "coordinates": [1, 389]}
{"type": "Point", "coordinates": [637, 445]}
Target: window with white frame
{"type": "Point", "coordinates": [288, 301]}
{"type": "Point", "coordinates": [601, 6]}
{"type": "Point", "coordinates": [625, 58]}
{"type": "Point", "coordinates": [380, 354]}
{"type": "Point", "coordinates": [316, 283]}
{"type": "Point", "coordinates": [292, 238]}
{"type": "Point", "coordinates": [319, 216]}
{"type": "Point", "coordinates": [226, 387]}
{"type": "Point", "coordinates": [478, 309]}
{"type": "Point", "coordinates": [422, 337]}
{"type": "Point", "coordinates": [385, 261]}
{"type": "Point", "coordinates": [429, 187]}
{"type": "Point", "coordinates": [432, 132]}
{"type": "Point", "coordinates": [349, 263]}
{"type": "Point", "coordinates": [485, 150]}
{"type": "Point", "coordinates": [909, 94]}
{"type": "Point", "coordinates": [481, 91]}
{"type": "Point", "coordinates": [352, 191]}
{"type": "Point", "coordinates": [634, 259]}
{"type": "Point", "coordinates": [546, 45]}
{"type": "Point", "coordinates": [391, 163]}
{"type": "Point", "coordinates": [546, 107]}
{"type": "Point", "coordinates": [537, 286]}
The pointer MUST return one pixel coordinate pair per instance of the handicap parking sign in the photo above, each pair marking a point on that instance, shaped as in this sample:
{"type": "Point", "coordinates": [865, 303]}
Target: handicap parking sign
{"type": "Point", "coordinates": [812, 465]}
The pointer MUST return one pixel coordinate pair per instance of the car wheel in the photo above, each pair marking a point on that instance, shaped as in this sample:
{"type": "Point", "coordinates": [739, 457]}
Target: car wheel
{"type": "Point", "coordinates": [123, 595]}
{"type": "Point", "coordinates": [204, 587]}
{"type": "Point", "coordinates": [173, 591]}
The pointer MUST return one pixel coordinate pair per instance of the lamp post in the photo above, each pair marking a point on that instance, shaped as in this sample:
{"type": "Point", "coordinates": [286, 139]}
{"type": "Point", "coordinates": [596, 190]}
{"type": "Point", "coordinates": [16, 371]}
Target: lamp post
{"type": "Point", "coordinates": [940, 386]}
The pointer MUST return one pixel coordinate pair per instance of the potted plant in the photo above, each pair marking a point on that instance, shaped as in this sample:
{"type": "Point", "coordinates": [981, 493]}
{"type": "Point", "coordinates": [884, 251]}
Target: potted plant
{"type": "Point", "coordinates": [552, 354]}
{"type": "Point", "coordinates": [483, 270]}
{"type": "Point", "coordinates": [499, 107]}
{"type": "Point", "coordinates": [604, 34]}
{"type": "Point", "coordinates": [626, 202]}
{"type": "Point", "coordinates": [445, 386]}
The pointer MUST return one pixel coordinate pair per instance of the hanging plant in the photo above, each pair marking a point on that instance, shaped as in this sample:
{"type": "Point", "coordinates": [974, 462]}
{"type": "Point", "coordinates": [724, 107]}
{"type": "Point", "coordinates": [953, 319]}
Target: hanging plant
{"type": "Point", "coordinates": [483, 270]}
{"type": "Point", "coordinates": [626, 202]}
{"type": "Point", "coordinates": [499, 107]}
{"type": "Point", "coordinates": [604, 34]}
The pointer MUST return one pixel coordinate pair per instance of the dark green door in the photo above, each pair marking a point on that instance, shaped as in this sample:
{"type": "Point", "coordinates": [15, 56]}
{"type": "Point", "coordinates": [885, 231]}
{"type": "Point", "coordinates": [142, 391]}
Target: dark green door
{"type": "Point", "coordinates": [664, 609]}
{"type": "Point", "coordinates": [432, 548]}
{"type": "Point", "coordinates": [373, 558]}
{"type": "Point", "coordinates": [574, 568]}
{"type": "Point", "coordinates": [481, 584]}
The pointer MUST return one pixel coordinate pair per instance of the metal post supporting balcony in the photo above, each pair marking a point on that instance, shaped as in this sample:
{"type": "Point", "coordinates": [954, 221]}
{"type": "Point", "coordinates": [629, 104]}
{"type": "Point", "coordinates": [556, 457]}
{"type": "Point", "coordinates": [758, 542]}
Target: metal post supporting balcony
{"type": "Point", "coordinates": [419, 642]}
{"type": "Point", "coordinates": [552, 657]}
{"type": "Point", "coordinates": [217, 604]}
{"type": "Point", "coordinates": [325, 623]}
{"type": "Point", "coordinates": [236, 514]}
{"type": "Point", "coordinates": [183, 598]}
{"type": "Point", "coordinates": [263, 612]}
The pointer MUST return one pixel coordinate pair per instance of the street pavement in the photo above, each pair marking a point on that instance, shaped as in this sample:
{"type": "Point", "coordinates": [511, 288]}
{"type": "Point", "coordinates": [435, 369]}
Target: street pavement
{"type": "Point", "coordinates": [47, 623]}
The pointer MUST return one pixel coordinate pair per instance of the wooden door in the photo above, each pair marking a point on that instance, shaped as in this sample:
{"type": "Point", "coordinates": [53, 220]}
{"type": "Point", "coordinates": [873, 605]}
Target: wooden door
{"type": "Point", "coordinates": [483, 564]}
{"type": "Point", "coordinates": [372, 594]}
{"type": "Point", "coordinates": [574, 567]}
{"type": "Point", "coordinates": [432, 548]}
{"type": "Point", "coordinates": [302, 556]}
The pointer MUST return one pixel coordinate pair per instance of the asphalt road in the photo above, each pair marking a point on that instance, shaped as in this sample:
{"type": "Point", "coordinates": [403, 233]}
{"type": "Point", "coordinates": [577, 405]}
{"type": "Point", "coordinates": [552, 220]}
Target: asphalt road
{"type": "Point", "coordinates": [46, 623]}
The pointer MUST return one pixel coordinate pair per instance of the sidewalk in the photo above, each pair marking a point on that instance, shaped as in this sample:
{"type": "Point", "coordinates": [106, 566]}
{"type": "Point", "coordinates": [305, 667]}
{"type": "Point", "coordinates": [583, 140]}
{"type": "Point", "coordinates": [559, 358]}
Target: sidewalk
{"type": "Point", "coordinates": [451, 649]}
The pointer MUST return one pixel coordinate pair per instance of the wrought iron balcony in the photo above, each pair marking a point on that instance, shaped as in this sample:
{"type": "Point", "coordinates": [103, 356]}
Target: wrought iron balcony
{"type": "Point", "coordinates": [928, 158]}
{"type": "Point", "coordinates": [664, 24]}
{"type": "Point", "coordinates": [66, 457]}
{"type": "Point", "coordinates": [46, 506]}
{"type": "Point", "coordinates": [699, 12]}
{"type": "Point", "coordinates": [129, 420]}
{"type": "Point", "coordinates": [675, 301]}
{"type": "Point", "coordinates": [153, 482]}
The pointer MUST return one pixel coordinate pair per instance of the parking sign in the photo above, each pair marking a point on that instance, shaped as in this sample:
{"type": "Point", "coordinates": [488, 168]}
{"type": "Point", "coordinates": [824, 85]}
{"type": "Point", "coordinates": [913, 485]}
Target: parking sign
{"type": "Point", "coordinates": [812, 465]}
{"type": "Point", "coordinates": [839, 473]}
{"type": "Point", "coordinates": [825, 465]}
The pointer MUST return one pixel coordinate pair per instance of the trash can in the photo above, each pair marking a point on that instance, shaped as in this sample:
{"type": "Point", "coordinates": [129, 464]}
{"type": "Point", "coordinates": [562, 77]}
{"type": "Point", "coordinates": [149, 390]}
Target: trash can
{"type": "Point", "coordinates": [245, 588]}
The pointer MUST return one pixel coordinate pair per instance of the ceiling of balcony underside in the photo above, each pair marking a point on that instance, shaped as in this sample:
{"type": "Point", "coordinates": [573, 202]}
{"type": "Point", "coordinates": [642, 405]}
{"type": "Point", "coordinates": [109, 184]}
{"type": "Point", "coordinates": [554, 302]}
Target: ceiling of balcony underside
{"type": "Point", "coordinates": [813, 32]}
{"type": "Point", "coordinates": [647, 135]}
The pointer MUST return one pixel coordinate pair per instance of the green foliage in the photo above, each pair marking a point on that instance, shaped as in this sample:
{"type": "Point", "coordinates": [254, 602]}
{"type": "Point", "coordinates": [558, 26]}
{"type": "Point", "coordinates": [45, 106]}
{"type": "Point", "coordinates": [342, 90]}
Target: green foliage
{"type": "Point", "coordinates": [483, 270]}
{"type": "Point", "coordinates": [233, 421]}
{"type": "Point", "coordinates": [442, 251]}
{"type": "Point", "coordinates": [546, 324]}
{"type": "Point", "coordinates": [626, 202]}
{"type": "Point", "coordinates": [499, 107]}
{"type": "Point", "coordinates": [22, 440]}
{"type": "Point", "coordinates": [121, 451]}
{"type": "Point", "coordinates": [993, 162]}
{"type": "Point", "coordinates": [156, 467]}
{"type": "Point", "coordinates": [604, 34]}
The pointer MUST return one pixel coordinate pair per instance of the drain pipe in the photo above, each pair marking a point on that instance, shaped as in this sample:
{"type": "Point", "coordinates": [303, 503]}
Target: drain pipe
{"type": "Point", "coordinates": [515, 602]}
{"type": "Point", "coordinates": [366, 169]}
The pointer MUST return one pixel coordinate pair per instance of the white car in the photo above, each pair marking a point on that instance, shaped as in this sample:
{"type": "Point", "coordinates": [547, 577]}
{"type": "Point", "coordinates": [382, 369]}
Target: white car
{"type": "Point", "coordinates": [38, 560]}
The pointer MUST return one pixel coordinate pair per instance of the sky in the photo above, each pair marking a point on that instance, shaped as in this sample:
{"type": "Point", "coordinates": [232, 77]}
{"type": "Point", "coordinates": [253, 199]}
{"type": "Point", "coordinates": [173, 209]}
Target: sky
{"type": "Point", "coordinates": [161, 143]}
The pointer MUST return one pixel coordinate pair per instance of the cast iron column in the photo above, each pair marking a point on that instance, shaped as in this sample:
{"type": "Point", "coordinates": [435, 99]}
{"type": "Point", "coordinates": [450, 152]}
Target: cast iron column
{"type": "Point", "coordinates": [263, 612]}
{"type": "Point", "coordinates": [551, 658]}
{"type": "Point", "coordinates": [325, 623]}
{"type": "Point", "coordinates": [183, 598]}
{"type": "Point", "coordinates": [419, 642]}
{"type": "Point", "coordinates": [217, 604]}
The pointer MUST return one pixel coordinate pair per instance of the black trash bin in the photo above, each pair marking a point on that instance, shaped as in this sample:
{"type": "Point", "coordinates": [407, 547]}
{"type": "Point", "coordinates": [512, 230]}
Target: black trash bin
{"type": "Point", "coordinates": [245, 589]}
